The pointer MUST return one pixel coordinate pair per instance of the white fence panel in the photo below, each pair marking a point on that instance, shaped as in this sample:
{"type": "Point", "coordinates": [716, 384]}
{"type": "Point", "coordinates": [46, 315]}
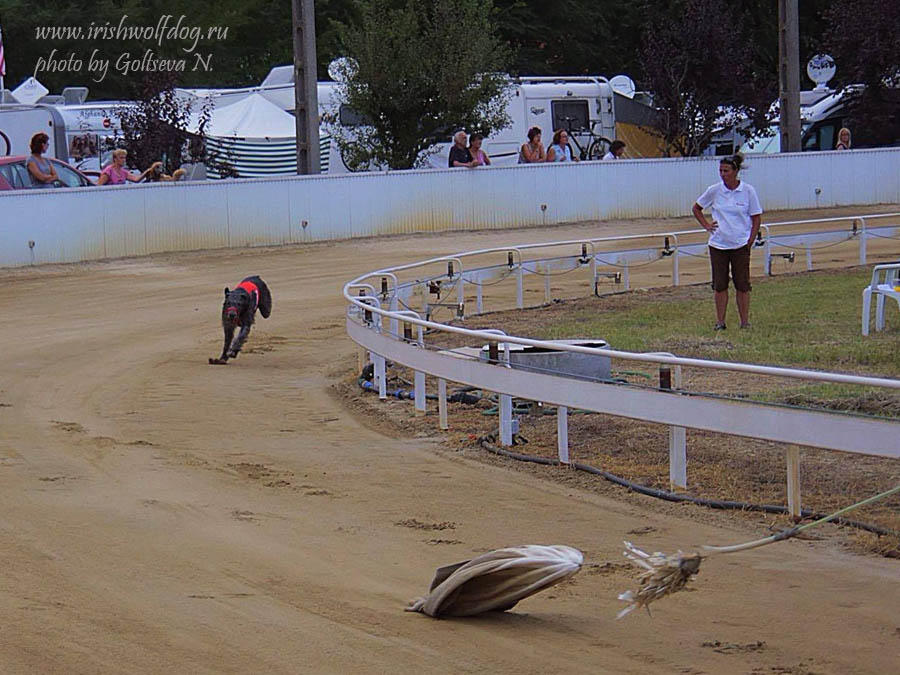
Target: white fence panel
{"type": "Point", "coordinates": [92, 223]}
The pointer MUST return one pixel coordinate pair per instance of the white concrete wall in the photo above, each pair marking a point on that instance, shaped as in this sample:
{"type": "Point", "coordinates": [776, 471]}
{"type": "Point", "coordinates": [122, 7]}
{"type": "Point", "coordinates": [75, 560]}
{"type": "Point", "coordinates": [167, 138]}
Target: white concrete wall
{"type": "Point", "coordinates": [91, 223]}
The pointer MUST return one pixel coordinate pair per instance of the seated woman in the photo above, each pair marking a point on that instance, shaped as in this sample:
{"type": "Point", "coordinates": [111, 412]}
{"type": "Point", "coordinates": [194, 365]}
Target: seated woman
{"type": "Point", "coordinates": [479, 156]}
{"type": "Point", "coordinates": [39, 167]}
{"type": "Point", "coordinates": [115, 173]}
{"type": "Point", "coordinates": [560, 150]}
{"type": "Point", "coordinates": [616, 150]}
{"type": "Point", "coordinates": [843, 139]}
{"type": "Point", "coordinates": [532, 151]}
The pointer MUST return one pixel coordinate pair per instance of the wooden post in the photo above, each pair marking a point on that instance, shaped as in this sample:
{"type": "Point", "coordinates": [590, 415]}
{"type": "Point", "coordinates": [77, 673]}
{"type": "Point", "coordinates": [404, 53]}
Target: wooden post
{"type": "Point", "coordinates": [306, 104]}
{"type": "Point", "coordinates": [789, 74]}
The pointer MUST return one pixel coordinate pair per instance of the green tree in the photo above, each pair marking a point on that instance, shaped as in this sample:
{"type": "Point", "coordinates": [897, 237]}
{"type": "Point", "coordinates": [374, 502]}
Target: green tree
{"type": "Point", "coordinates": [702, 75]}
{"type": "Point", "coordinates": [417, 72]}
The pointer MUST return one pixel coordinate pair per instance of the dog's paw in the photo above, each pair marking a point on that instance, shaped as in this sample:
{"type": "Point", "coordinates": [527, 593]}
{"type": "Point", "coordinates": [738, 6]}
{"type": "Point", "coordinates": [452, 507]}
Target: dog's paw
{"type": "Point", "coordinates": [217, 362]}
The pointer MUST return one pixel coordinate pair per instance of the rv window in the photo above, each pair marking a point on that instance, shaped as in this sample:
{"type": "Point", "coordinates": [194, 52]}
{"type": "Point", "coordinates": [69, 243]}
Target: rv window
{"type": "Point", "coordinates": [570, 114]}
{"type": "Point", "coordinates": [351, 118]}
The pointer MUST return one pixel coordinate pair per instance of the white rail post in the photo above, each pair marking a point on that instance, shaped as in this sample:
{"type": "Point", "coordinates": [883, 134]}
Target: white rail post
{"type": "Point", "coordinates": [677, 458]}
{"type": "Point", "coordinates": [562, 433]}
{"type": "Point", "coordinates": [380, 375]}
{"type": "Point", "coordinates": [675, 275]}
{"type": "Point", "coordinates": [767, 255]}
{"type": "Point", "coordinates": [862, 241]}
{"type": "Point", "coordinates": [677, 435]}
{"type": "Point", "coordinates": [442, 404]}
{"type": "Point", "coordinates": [479, 299]}
{"type": "Point", "coordinates": [625, 282]}
{"type": "Point", "coordinates": [506, 432]}
{"type": "Point", "coordinates": [505, 419]}
{"type": "Point", "coordinates": [419, 378]}
{"type": "Point", "coordinates": [808, 258]}
{"type": "Point", "coordinates": [547, 297]}
{"type": "Point", "coordinates": [793, 482]}
{"type": "Point", "coordinates": [461, 296]}
{"type": "Point", "coordinates": [520, 286]}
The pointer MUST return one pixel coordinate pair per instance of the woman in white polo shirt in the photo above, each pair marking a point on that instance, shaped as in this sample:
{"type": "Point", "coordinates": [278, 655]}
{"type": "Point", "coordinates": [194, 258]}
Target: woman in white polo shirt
{"type": "Point", "coordinates": [736, 215]}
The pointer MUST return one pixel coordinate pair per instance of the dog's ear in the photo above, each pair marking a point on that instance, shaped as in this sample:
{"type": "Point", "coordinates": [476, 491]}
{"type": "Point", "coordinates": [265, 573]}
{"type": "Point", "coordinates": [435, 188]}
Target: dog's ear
{"type": "Point", "coordinates": [227, 291]}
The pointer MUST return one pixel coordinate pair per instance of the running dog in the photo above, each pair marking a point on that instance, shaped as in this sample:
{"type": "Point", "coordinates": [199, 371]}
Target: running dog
{"type": "Point", "coordinates": [239, 310]}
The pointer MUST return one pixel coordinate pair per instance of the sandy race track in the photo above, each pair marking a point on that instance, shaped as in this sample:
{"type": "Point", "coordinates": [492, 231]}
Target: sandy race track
{"type": "Point", "coordinates": [163, 515]}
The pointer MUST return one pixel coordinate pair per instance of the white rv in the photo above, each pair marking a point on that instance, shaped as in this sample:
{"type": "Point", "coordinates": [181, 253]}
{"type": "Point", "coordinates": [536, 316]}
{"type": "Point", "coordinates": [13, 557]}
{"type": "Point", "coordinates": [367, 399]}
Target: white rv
{"type": "Point", "coordinates": [253, 129]}
{"type": "Point", "coordinates": [583, 105]}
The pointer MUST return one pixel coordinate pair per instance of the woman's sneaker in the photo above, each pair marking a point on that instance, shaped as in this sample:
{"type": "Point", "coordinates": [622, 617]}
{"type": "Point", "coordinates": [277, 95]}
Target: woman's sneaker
{"type": "Point", "coordinates": [721, 326]}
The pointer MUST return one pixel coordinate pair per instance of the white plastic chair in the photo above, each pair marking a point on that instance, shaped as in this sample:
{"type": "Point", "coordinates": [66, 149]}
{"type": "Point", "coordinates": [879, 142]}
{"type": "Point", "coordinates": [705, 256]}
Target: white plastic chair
{"type": "Point", "coordinates": [885, 284]}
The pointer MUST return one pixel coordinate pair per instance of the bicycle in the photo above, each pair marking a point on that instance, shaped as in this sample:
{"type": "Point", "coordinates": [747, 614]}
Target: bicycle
{"type": "Point", "coordinates": [598, 145]}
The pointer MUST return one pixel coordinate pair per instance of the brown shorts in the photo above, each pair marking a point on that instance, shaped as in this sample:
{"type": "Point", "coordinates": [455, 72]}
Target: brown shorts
{"type": "Point", "coordinates": [738, 259]}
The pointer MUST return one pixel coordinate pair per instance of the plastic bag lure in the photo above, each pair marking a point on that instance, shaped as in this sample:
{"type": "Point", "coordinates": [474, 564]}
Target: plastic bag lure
{"type": "Point", "coordinates": [497, 580]}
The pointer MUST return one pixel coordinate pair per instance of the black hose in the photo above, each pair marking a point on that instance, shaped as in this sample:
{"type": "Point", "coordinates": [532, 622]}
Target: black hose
{"type": "Point", "coordinates": [487, 442]}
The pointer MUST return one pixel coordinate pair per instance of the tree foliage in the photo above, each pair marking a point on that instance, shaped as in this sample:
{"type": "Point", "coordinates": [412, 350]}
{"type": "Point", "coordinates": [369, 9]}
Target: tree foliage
{"type": "Point", "coordinates": [160, 126]}
{"type": "Point", "coordinates": [417, 72]}
{"type": "Point", "coordinates": [700, 69]}
{"type": "Point", "coordinates": [862, 38]}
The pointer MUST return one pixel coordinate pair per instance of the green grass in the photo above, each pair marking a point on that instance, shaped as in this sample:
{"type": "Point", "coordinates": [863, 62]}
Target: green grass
{"type": "Point", "coordinates": [807, 320]}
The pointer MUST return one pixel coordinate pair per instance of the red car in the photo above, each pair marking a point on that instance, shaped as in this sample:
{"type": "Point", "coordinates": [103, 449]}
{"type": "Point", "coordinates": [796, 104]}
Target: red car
{"type": "Point", "coordinates": [14, 174]}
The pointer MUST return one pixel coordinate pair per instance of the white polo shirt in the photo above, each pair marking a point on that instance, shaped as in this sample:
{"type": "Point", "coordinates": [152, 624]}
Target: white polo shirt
{"type": "Point", "coordinates": [731, 209]}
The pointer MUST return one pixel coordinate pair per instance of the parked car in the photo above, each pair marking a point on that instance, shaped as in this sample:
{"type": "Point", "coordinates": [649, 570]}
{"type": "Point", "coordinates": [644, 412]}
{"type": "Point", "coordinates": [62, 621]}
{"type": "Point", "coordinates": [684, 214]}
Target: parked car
{"type": "Point", "coordinates": [14, 174]}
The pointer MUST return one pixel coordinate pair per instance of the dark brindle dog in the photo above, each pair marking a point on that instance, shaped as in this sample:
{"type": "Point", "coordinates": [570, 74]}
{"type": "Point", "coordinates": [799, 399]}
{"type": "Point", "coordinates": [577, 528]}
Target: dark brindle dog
{"type": "Point", "coordinates": [239, 310]}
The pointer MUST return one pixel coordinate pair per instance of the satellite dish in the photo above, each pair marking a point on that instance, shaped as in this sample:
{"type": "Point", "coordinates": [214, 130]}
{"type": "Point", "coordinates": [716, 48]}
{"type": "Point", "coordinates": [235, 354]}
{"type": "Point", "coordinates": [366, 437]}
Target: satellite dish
{"type": "Point", "coordinates": [30, 91]}
{"type": "Point", "coordinates": [820, 69]}
{"type": "Point", "coordinates": [624, 85]}
{"type": "Point", "coordinates": [342, 66]}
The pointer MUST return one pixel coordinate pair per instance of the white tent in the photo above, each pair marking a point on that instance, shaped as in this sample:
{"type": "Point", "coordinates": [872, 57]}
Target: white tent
{"type": "Point", "coordinates": [251, 118]}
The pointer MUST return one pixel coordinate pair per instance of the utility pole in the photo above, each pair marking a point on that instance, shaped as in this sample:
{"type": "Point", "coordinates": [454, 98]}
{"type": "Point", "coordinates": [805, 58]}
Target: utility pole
{"type": "Point", "coordinates": [789, 74]}
{"type": "Point", "coordinates": [306, 105]}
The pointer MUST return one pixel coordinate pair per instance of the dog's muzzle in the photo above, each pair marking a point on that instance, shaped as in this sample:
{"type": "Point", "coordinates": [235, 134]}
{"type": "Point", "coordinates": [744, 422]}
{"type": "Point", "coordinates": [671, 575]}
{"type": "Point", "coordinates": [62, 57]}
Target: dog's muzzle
{"type": "Point", "coordinates": [232, 315]}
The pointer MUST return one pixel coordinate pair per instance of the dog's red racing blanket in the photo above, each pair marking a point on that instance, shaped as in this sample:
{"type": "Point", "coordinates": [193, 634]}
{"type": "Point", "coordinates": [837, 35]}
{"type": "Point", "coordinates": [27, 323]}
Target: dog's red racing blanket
{"type": "Point", "coordinates": [251, 288]}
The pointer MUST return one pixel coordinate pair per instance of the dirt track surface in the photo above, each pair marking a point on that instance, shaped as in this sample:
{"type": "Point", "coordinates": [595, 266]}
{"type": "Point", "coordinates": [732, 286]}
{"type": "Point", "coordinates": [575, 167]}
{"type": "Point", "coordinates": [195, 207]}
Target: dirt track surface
{"type": "Point", "coordinates": [164, 515]}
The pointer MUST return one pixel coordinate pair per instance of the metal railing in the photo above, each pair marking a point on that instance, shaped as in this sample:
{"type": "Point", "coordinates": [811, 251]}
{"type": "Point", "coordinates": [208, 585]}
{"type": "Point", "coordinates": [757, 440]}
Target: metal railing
{"type": "Point", "coordinates": [374, 319]}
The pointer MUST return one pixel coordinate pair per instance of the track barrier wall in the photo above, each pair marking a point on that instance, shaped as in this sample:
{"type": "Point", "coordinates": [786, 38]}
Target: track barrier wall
{"type": "Point", "coordinates": [73, 225]}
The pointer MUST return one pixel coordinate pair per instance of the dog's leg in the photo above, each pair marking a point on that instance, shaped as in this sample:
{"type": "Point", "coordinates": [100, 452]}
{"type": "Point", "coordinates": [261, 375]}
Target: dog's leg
{"type": "Point", "coordinates": [228, 328]}
{"type": "Point", "coordinates": [239, 341]}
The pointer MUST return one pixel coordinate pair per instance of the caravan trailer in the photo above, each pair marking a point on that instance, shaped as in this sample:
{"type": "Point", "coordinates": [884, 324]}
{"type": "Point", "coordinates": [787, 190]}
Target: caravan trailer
{"type": "Point", "coordinates": [585, 105]}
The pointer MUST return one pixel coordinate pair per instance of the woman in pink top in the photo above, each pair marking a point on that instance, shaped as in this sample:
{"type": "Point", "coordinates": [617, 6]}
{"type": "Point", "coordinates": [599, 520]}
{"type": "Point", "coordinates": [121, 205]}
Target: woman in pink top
{"type": "Point", "coordinates": [479, 156]}
{"type": "Point", "coordinates": [115, 173]}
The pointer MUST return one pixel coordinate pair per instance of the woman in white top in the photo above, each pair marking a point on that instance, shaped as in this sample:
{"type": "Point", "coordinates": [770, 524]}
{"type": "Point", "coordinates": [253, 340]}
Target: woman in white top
{"type": "Point", "coordinates": [560, 150]}
{"type": "Point", "coordinates": [616, 150]}
{"type": "Point", "coordinates": [736, 216]}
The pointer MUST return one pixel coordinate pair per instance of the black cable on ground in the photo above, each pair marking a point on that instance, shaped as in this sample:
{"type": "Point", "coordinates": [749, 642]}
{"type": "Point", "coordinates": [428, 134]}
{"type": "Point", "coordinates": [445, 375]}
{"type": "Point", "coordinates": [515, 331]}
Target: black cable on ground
{"type": "Point", "coordinates": [487, 442]}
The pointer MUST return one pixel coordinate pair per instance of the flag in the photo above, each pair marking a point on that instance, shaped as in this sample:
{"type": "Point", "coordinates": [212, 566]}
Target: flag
{"type": "Point", "coordinates": [2, 57]}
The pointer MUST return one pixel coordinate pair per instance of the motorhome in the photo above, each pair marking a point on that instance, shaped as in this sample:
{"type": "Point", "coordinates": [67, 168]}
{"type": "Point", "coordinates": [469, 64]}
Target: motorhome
{"type": "Point", "coordinates": [595, 111]}
{"type": "Point", "coordinates": [252, 130]}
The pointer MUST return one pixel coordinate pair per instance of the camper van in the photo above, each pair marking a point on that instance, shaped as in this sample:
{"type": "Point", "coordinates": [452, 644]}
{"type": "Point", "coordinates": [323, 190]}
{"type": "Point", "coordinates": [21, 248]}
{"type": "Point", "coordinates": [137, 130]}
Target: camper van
{"type": "Point", "coordinates": [252, 130]}
{"type": "Point", "coordinates": [258, 141]}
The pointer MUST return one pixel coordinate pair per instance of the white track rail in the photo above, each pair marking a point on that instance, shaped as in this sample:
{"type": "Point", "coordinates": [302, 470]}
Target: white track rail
{"type": "Point", "coordinates": [374, 320]}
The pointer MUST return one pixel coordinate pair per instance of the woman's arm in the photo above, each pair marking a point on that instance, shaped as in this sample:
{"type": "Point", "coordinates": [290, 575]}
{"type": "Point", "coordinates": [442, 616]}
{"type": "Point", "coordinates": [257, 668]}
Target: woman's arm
{"type": "Point", "coordinates": [551, 154]}
{"type": "Point", "coordinates": [754, 228]}
{"type": "Point", "coordinates": [103, 179]}
{"type": "Point", "coordinates": [487, 159]}
{"type": "Point", "coordinates": [39, 175]}
{"type": "Point", "coordinates": [697, 210]}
